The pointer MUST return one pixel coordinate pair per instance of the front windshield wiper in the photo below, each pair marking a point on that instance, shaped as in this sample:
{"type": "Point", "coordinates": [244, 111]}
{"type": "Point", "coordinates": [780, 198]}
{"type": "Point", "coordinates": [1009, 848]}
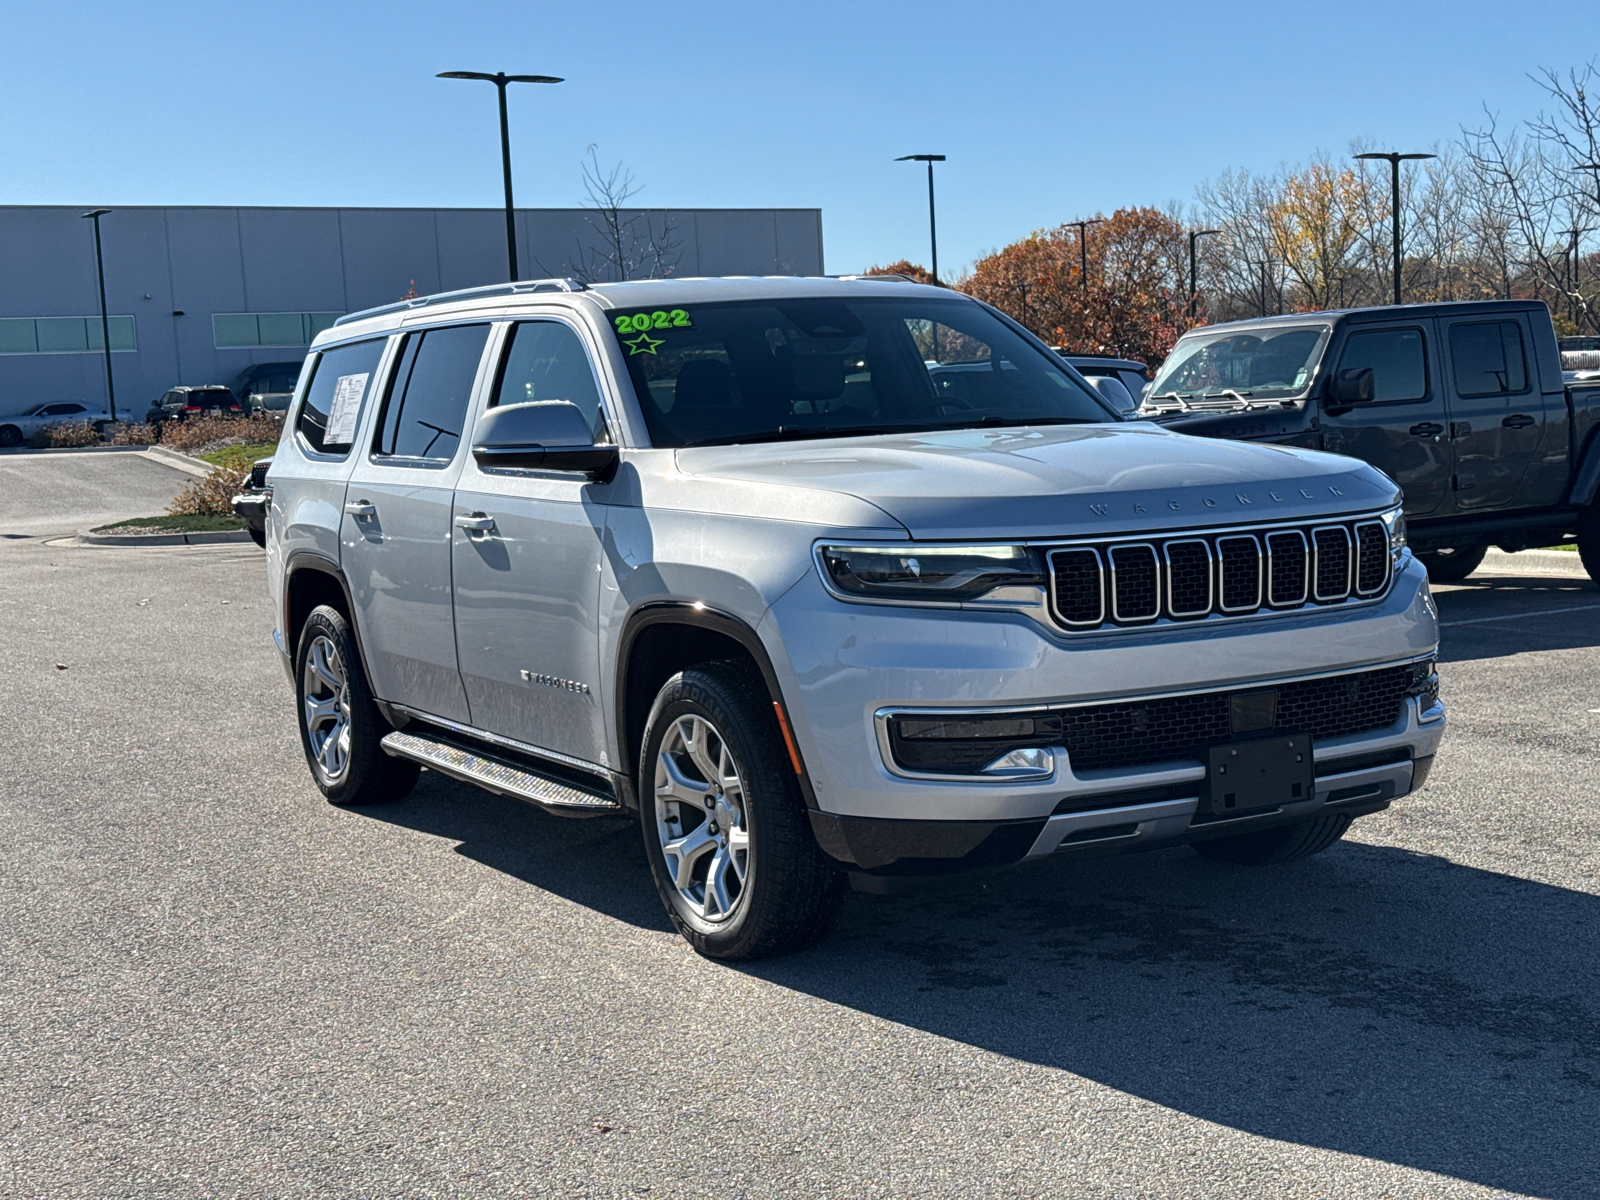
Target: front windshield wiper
{"type": "Point", "coordinates": [797, 433]}
{"type": "Point", "coordinates": [1180, 397]}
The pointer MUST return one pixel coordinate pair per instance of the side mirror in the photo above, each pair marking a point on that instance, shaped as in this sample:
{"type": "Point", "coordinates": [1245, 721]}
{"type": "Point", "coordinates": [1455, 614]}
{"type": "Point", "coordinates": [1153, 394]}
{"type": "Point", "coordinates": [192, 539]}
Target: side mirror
{"type": "Point", "coordinates": [548, 435]}
{"type": "Point", "coordinates": [1355, 385]}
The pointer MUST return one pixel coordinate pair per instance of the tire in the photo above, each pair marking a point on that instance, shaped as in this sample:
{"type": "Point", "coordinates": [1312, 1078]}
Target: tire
{"type": "Point", "coordinates": [1589, 540]}
{"type": "Point", "coordinates": [1283, 844]}
{"type": "Point", "coordinates": [1453, 564]}
{"type": "Point", "coordinates": [341, 742]}
{"type": "Point", "coordinates": [717, 720]}
{"type": "Point", "coordinates": [258, 536]}
{"type": "Point", "coordinates": [10, 435]}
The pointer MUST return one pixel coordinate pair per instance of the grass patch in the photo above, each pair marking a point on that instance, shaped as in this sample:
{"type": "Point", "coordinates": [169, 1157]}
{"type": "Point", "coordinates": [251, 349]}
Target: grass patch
{"type": "Point", "coordinates": [239, 458]}
{"type": "Point", "coordinates": [170, 524]}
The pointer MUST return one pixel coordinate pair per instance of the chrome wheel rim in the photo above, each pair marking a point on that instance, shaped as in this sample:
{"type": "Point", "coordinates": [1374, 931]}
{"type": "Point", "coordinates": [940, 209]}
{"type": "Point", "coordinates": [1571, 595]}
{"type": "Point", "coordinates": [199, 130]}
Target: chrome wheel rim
{"type": "Point", "coordinates": [702, 819]}
{"type": "Point", "coordinates": [325, 688]}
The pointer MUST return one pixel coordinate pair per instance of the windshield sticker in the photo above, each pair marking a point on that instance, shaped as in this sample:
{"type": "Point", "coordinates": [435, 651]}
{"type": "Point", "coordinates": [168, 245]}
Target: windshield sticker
{"type": "Point", "coordinates": [346, 406]}
{"type": "Point", "coordinates": [643, 344]}
{"type": "Point", "coordinates": [661, 318]}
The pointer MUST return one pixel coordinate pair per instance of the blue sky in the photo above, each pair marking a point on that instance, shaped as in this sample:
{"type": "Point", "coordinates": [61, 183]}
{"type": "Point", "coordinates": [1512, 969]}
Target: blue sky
{"type": "Point", "coordinates": [1046, 111]}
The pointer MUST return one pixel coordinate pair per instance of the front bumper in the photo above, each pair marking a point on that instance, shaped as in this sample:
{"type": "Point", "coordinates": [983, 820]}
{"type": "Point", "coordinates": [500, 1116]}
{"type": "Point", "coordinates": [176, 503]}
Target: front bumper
{"type": "Point", "coordinates": [842, 665]}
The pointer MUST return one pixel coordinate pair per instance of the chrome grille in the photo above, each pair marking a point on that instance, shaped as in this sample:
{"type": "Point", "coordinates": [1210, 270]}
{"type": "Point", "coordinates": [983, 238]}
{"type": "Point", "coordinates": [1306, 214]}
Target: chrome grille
{"type": "Point", "coordinates": [1234, 572]}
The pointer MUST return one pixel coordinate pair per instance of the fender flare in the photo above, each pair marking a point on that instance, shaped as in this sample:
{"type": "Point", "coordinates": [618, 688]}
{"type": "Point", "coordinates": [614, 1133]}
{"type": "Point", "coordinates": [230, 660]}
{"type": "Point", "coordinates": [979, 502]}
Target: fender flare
{"type": "Point", "coordinates": [310, 560]}
{"type": "Point", "coordinates": [1586, 479]}
{"type": "Point", "coordinates": [675, 612]}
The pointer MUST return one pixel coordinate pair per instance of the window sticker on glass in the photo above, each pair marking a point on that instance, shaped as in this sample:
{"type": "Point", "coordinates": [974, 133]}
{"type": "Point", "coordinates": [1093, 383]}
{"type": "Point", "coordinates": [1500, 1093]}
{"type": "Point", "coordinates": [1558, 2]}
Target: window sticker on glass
{"type": "Point", "coordinates": [635, 329]}
{"type": "Point", "coordinates": [346, 407]}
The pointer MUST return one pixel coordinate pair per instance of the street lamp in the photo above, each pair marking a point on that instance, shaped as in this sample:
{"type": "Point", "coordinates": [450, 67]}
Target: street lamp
{"type": "Point", "coordinates": [933, 236]}
{"type": "Point", "coordinates": [1083, 249]}
{"type": "Point", "coordinates": [105, 321]}
{"type": "Point", "coordinates": [1394, 160]}
{"type": "Point", "coordinates": [500, 79]}
{"type": "Point", "coordinates": [1194, 267]}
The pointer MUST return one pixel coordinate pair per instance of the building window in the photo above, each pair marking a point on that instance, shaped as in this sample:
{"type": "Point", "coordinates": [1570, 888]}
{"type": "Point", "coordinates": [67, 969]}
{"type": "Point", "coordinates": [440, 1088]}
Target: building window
{"type": "Point", "coordinates": [236, 331]}
{"type": "Point", "coordinates": [63, 335]}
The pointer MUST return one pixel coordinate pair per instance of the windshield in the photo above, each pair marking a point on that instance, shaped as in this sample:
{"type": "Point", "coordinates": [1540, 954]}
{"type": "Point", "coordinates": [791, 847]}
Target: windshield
{"type": "Point", "coordinates": [753, 371]}
{"type": "Point", "coordinates": [1267, 363]}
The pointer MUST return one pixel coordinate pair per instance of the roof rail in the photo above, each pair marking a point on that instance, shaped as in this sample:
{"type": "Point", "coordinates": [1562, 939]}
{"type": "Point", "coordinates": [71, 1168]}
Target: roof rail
{"type": "Point", "coordinates": [887, 276]}
{"type": "Point", "coordinates": [524, 287]}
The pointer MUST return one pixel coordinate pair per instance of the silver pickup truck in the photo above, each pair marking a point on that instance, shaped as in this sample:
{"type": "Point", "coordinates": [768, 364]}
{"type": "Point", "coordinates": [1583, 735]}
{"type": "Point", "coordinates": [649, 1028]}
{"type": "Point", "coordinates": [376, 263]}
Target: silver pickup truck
{"type": "Point", "coordinates": [827, 580]}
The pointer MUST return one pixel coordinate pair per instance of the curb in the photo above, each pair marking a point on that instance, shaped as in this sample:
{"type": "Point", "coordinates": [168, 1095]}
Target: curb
{"type": "Point", "coordinates": [1535, 562]}
{"type": "Point", "coordinates": [214, 537]}
{"type": "Point", "coordinates": [104, 449]}
{"type": "Point", "coordinates": [179, 462]}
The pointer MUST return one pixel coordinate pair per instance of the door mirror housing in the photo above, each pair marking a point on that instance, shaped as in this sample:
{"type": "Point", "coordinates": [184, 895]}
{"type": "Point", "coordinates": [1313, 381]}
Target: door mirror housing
{"type": "Point", "coordinates": [1355, 385]}
{"type": "Point", "coordinates": [546, 435]}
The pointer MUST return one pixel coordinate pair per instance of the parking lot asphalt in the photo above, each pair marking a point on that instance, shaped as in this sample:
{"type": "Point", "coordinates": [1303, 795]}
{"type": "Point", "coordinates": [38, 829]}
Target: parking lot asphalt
{"type": "Point", "coordinates": [60, 491]}
{"type": "Point", "coordinates": [212, 983]}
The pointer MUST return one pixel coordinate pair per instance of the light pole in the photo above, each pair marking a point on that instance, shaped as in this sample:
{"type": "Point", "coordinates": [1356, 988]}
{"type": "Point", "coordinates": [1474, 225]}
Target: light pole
{"type": "Point", "coordinates": [105, 321]}
{"type": "Point", "coordinates": [1194, 267]}
{"type": "Point", "coordinates": [933, 234]}
{"type": "Point", "coordinates": [1083, 250]}
{"type": "Point", "coordinates": [500, 79]}
{"type": "Point", "coordinates": [1394, 160]}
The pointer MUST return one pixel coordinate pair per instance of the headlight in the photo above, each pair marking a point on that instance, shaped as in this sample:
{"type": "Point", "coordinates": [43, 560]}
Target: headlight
{"type": "Point", "coordinates": [1394, 523]}
{"type": "Point", "coordinates": [913, 572]}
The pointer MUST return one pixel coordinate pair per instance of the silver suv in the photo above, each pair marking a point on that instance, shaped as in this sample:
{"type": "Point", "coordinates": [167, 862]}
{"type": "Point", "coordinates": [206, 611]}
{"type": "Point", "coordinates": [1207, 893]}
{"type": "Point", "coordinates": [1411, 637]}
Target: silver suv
{"type": "Point", "coordinates": [827, 580]}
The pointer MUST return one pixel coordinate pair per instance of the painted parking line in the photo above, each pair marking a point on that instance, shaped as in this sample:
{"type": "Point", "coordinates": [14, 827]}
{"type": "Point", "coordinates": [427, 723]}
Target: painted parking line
{"type": "Point", "coordinates": [1544, 612]}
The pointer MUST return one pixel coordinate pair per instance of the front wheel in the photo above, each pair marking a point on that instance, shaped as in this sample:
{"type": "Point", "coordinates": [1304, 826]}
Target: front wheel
{"type": "Point", "coordinates": [724, 823]}
{"type": "Point", "coordinates": [1452, 564]}
{"type": "Point", "coordinates": [10, 435]}
{"type": "Point", "coordinates": [1283, 844]}
{"type": "Point", "coordinates": [340, 727]}
{"type": "Point", "coordinates": [1589, 540]}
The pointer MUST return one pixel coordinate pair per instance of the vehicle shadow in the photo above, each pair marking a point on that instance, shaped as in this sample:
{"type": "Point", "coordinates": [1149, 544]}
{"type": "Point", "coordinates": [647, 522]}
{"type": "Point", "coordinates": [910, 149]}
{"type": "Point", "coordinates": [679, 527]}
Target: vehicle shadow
{"type": "Point", "coordinates": [1491, 616]}
{"type": "Point", "coordinates": [1370, 1001]}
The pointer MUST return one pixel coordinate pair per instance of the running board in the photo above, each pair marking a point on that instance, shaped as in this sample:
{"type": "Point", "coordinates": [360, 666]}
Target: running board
{"type": "Point", "coordinates": [500, 775]}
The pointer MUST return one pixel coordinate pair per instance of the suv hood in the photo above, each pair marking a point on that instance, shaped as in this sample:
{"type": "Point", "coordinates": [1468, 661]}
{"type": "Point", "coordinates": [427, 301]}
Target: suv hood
{"type": "Point", "coordinates": [1058, 481]}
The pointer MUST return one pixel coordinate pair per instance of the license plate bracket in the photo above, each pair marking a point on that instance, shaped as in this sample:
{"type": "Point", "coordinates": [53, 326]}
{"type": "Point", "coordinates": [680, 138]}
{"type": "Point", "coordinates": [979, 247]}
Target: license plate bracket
{"type": "Point", "coordinates": [1261, 773]}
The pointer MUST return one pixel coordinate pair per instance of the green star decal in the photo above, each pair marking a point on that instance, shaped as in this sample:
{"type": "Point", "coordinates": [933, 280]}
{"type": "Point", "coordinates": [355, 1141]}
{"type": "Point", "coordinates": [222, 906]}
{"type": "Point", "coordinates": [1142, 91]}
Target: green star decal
{"type": "Point", "coordinates": [643, 344]}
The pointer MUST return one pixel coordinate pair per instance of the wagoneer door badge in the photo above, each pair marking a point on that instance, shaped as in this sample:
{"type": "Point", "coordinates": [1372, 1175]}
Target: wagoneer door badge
{"type": "Point", "coordinates": [566, 685]}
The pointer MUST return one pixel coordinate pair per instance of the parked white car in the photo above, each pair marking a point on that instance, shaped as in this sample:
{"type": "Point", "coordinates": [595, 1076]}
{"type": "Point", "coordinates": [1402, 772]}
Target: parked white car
{"type": "Point", "coordinates": [18, 428]}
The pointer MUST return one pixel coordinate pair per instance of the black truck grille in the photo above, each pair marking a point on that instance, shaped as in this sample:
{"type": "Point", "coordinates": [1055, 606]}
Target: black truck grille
{"type": "Point", "coordinates": [1137, 733]}
{"type": "Point", "coordinates": [1196, 575]}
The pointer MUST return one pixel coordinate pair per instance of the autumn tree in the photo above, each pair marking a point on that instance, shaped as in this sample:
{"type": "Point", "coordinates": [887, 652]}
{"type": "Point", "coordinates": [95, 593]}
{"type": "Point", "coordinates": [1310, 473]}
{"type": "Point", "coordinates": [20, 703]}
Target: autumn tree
{"type": "Point", "coordinates": [907, 268]}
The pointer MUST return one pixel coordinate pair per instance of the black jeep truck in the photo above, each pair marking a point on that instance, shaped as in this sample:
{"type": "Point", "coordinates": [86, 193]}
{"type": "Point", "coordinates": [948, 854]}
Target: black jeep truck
{"type": "Point", "coordinates": [1464, 405]}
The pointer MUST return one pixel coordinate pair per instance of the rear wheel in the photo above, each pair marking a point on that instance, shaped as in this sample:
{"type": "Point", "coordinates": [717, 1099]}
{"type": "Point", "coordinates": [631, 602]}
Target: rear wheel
{"type": "Point", "coordinates": [1283, 844]}
{"type": "Point", "coordinates": [1589, 540]}
{"type": "Point", "coordinates": [340, 727]}
{"type": "Point", "coordinates": [724, 823]}
{"type": "Point", "coordinates": [1453, 563]}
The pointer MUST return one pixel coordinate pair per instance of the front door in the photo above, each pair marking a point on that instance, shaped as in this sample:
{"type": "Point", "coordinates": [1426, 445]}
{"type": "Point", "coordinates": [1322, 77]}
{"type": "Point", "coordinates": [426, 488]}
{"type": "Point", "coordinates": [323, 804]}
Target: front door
{"type": "Point", "coordinates": [396, 531]}
{"type": "Point", "coordinates": [527, 585]}
{"type": "Point", "coordinates": [1496, 411]}
{"type": "Point", "coordinates": [1403, 431]}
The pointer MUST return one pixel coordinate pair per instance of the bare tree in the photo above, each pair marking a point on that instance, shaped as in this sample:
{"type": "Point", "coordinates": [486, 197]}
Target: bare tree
{"type": "Point", "coordinates": [631, 243]}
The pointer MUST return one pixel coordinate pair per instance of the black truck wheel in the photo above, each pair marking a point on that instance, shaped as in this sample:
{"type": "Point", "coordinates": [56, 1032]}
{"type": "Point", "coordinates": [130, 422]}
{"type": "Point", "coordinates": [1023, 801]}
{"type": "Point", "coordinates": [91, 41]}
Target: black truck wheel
{"type": "Point", "coordinates": [1452, 564]}
{"type": "Point", "coordinates": [340, 726]}
{"type": "Point", "coordinates": [724, 823]}
{"type": "Point", "coordinates": [1283, 844]}
{"type": "Point", "coordinates": [1589, 540]}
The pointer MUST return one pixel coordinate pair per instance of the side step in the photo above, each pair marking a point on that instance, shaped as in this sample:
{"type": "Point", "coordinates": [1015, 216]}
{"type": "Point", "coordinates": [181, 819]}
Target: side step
{"type": "Point", "coordinates": [500, 775]}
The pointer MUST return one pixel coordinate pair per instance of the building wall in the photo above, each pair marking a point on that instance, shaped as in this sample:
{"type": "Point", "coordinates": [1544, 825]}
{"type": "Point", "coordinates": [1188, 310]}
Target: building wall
{"type": "Point", "coordinates": [160, 262]}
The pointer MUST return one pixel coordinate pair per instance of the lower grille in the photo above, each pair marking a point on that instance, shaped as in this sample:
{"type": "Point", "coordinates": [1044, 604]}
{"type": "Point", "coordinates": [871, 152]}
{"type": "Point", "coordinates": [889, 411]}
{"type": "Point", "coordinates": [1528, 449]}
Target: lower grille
{"type": "Point", "coordinates": [1137, 733]}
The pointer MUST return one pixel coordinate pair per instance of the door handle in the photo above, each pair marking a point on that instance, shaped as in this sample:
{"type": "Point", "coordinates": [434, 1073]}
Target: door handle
{"type": "Point", "coordinates": [1460, 429]}
{"type": "Point", "coordinates": [361, 509]}
{"type": "Point", "coordinates": [1517, 421]}
{"type": "Point", "coordinates": [475, 523]}
{"type": "Point", "coordinates": [1427, 429]}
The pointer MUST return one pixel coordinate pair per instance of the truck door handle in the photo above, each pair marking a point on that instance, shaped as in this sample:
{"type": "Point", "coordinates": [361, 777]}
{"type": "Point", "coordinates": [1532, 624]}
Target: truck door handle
{"type": "Point", "coordinates": [361, 509]}
{"type": "Point", "coordinates": [475, 523]}
{"type": "Point", "coordinates": [1427, 429]}
{"type": "Point", "coordinates": [1517, 421]}
{"type": "Point", "coordinates": [1460, 429]}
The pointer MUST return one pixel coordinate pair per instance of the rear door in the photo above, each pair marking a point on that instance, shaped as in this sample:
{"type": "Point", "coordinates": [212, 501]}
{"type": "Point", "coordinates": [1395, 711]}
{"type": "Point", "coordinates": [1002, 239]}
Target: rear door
{"type": "Point", "coordinates": [395, 537]}
{"type": "Point", "coordinates": [527, 587]}
{"type": "Point", "coordinates": [1403, 431]}
{"type": "Point", "coordinates": [1497, 417]}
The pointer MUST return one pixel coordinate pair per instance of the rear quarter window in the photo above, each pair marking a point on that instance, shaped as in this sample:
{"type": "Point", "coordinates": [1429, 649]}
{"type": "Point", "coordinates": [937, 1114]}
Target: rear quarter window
{"type": "Point", "coordinates": [342, 379]}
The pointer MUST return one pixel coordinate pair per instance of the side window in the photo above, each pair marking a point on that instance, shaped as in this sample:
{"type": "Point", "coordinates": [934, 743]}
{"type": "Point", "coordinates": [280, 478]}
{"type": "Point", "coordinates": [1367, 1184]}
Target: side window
{"type": "Point", "coordinates": [427, 402]}
{"type": "Point", "coordinates": [547, 361]}
{"type": "Point", "coordinates": [1486, 358]}
{"type": "Point", "coordinates": [340, 381]}
{"type": "Point", "coordinates": [1399, 371]}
